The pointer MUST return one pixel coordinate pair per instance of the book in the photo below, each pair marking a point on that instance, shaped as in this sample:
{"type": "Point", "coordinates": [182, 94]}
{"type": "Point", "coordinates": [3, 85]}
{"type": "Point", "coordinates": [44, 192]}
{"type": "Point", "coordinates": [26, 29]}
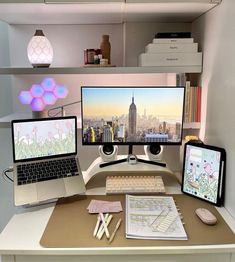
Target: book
{"type": "Point", "coordinates": [173, 35]}
{"type": "Point", "coordinates": [172, 40]}
{"type": "Point", "coordinates": [170, 59]}
{"type": "Point", "coordinates": [153, 217]}
{"type": "Point", "coordinates": [172, 48]}
{"type": "Point", "coordinates": [187, 103]}
{"type": "Point", "coordinates": [199, 104]}
{"type": "Point", "coordinates": [192, 108]}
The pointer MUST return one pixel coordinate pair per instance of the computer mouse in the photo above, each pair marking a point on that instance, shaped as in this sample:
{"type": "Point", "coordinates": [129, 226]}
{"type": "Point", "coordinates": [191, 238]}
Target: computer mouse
{"type": "Point", "coordinates": [206, 216]}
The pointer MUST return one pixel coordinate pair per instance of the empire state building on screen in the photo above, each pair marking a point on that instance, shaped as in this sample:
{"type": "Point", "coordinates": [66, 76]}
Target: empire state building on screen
{"type": "Point", "coordinates": [139, 116]}
{"type": "Point", "coordinates": [132, 121]}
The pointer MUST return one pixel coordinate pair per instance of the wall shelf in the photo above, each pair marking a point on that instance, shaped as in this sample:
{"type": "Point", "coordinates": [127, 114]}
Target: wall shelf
{"type": "Point", "coordinates": [5, 122]}
{"type": "Point", "coordinates": [99, 70]}
{"type": "Point", "coordinates": [102, 11]}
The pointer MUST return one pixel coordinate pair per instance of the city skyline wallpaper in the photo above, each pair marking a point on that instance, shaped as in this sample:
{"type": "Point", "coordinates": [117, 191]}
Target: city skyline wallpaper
{"type": "Point", "coordinates": [132, 114]}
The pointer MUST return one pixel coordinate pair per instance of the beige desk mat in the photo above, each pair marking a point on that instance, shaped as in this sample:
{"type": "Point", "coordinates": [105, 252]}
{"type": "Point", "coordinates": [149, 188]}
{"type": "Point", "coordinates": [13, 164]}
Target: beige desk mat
{"type": "Point", "coordinates": [70, 226]}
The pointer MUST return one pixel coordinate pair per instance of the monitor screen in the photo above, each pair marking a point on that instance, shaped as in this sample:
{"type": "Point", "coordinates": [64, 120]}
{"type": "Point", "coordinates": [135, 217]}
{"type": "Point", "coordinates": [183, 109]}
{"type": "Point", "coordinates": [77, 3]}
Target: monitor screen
{"type": "Point", "coordinates": [132, 115]}
{"type": "Point", "coordinates": [42, 138]}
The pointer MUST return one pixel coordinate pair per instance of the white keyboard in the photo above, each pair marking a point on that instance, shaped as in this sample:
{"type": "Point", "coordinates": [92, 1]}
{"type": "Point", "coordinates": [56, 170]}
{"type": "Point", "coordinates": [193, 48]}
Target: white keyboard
{"type": "Point", "coordinates": [134, 184]}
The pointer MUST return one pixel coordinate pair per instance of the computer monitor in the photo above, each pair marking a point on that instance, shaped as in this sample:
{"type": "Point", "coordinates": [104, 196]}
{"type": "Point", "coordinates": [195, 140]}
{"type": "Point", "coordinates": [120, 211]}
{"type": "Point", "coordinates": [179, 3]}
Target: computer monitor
{"type": "Point", "coordinates": [132, 115]}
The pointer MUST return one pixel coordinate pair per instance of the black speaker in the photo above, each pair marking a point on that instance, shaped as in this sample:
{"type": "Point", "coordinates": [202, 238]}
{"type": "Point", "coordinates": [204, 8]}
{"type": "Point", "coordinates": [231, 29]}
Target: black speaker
{"type": "Point", "coordinates": [108, 152]}
{"type": "Point", "coordinates": [154, 152]}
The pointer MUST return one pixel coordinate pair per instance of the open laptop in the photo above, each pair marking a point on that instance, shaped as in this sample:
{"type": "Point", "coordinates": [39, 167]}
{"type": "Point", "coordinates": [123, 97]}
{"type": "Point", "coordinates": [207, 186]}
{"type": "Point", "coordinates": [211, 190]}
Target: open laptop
{"type": "Point", "coordinates": [45, 162]}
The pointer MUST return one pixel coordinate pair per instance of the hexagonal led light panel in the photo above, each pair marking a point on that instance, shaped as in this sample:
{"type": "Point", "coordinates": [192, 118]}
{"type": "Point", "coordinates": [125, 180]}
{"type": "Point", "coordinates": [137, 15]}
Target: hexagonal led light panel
{"type": "Point", "coordinates": [25, 97]}
{"type": "Point", "coordinates": [37, 104]}
{"type": "Point", "coordinates": [49, 98]}
{"type": "Point", "coordinates": [43, 94]}
{"type": "Point", "coordinates": [60, 91]}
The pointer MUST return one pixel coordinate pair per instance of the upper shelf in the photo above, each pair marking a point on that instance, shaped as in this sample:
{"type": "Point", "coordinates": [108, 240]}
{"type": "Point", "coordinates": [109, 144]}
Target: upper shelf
{"type": "Point", "coordinates": [100, 70]}
{"type": "Point", "coordinates": [102, 11]}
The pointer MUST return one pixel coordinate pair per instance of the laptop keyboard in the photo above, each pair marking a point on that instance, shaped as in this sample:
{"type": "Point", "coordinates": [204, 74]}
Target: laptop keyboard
{"type": "Point", "coordinates": [46, 170]}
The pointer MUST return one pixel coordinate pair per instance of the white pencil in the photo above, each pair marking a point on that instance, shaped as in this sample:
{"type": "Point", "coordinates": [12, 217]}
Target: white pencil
{"type": "Point", "coordinates": [101, 229]}
{"type": "Point", "coordinates": [115, 230]}
{"type": "Point", "coordinates": [101, 225]}
{"type": "Point", "coordinates": [97, 225]}
{"type": "Point", "coordinates": [104, 225]}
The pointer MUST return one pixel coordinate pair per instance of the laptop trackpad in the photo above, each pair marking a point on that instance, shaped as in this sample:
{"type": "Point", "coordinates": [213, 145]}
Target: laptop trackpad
{"type": "Point", "coordinates": [50, 189]}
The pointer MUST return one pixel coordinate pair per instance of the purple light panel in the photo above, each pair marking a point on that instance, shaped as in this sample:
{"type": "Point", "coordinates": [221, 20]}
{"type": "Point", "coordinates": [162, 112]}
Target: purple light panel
{"type": "Point", "coordinates": [61, 91]}
{"type": "Point", "coordinates": [41, 95]}
{"type": "Point", "coordinates": [49, 98]}
{"type": "Point", "coordinates": [36, 90]}
{"type": "Point", "coordinates": [48, 84]}
{"type": "Point", "coordinates": [25, 97]}
{"type": "Point", "coordinates": [37, 104]}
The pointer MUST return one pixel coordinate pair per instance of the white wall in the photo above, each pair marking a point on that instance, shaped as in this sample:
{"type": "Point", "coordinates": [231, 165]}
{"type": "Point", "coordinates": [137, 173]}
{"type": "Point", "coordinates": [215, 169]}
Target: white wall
{"type": "Point", "coordinates": [216, 34]}
{"type": "Point", "coordinates": [5, 84]}
{"type": "Point", "coordinates": [6, 192]}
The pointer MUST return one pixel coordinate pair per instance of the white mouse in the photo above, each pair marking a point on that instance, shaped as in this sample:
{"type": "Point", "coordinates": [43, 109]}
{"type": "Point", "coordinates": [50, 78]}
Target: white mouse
{"type": "Point", "coordinates": [206, 216]}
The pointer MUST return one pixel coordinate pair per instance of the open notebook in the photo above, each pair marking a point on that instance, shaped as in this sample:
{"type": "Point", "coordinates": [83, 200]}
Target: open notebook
{"type": "Point", "coordinates": [153, 217]}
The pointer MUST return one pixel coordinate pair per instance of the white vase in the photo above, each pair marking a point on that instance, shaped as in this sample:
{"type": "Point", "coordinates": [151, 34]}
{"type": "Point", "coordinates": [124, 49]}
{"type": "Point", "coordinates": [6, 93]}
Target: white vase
{"type": "Point", "coordinates": [40, 52]}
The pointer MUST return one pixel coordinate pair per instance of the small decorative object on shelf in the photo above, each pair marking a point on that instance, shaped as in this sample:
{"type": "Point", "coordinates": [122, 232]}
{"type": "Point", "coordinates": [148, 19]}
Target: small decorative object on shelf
{"type": "Point", "coordinates": [104, 62]}
{"type": "Point", "coordinates": [41, 95]}
{"type": "Point", "coordinates": [91, 56]}
{"type": "Point", "coordinates": [40, 52]}
{"type": "Point", "coordinates": [105, 47]}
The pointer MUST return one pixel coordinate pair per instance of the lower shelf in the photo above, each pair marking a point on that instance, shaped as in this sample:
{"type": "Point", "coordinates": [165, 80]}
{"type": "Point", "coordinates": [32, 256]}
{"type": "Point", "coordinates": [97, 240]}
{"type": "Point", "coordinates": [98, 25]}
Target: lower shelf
{"type": "Point", "coordinates": [5, 122]}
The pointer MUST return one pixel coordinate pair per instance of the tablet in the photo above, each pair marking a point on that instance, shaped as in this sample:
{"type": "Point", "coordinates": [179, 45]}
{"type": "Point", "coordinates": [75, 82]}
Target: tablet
{"type": "Point", "coordinates": [204, 172]}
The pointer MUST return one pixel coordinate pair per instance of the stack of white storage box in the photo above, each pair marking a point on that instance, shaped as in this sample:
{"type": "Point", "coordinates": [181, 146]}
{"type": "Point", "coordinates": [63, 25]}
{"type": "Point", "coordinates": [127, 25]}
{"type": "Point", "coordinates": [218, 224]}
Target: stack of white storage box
{"type": "Point", "coordinates": [171, 52]}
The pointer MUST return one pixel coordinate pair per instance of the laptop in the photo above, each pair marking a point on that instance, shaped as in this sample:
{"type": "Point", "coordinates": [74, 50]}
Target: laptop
{"type": "Point", "coordinates": [45, 159]}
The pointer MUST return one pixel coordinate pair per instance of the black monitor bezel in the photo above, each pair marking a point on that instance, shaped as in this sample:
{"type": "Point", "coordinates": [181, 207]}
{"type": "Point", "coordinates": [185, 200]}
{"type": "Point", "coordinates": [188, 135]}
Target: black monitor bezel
{"type": "Point", "coordinates": [221, 180]}
{"type": "Point", "coordinates": [132, 143]}
{"type": "Point", "coordinates": [42, 119]}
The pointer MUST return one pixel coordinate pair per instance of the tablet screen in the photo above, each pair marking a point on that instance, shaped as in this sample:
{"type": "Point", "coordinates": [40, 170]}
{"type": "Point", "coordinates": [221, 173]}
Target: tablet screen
{"type": "Point", "coordinates": [201, 175]}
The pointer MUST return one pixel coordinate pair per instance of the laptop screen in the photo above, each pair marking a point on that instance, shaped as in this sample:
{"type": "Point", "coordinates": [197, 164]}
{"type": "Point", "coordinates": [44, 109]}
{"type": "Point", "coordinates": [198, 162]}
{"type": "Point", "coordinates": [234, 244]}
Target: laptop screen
{"type": "Point", "coordinates": [44, 138]}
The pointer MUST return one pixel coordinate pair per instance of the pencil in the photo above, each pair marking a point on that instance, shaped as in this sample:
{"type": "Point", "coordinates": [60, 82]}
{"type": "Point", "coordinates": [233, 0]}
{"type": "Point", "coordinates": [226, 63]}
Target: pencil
{"type": "Point", "coordinates": [101, 230]}
{"type": "Point", "coordinates": [96, 226]}
{"type": "Point", "coordinates": [115, 230]}
{"type": "Point", "coordinates": [105, 225]}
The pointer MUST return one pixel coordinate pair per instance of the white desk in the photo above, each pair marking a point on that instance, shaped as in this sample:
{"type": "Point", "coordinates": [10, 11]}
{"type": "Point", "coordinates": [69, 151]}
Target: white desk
{"type": "Point", "coordinates": [19, 242]}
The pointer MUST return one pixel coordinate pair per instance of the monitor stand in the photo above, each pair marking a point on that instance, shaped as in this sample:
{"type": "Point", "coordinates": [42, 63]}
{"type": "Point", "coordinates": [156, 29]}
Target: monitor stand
{"type": "Point", "coordinates": [132, 159]}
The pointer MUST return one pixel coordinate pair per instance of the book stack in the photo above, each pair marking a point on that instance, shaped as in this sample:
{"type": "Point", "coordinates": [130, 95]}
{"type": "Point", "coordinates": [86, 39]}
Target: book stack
{"type": "Point", "coordinates": [192, 110]}
{"type": "Point", "coordinates": [171, 49]}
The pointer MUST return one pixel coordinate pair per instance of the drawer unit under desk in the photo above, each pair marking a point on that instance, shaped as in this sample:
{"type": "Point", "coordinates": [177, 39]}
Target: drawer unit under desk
{"type": "Point", "coordinates": [170, 59]}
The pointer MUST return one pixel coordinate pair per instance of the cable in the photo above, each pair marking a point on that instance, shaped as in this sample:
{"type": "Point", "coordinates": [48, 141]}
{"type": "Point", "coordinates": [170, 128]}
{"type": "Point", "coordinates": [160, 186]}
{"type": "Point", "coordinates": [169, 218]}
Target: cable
{"type": "Point", "coordinates": [5, 176]}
